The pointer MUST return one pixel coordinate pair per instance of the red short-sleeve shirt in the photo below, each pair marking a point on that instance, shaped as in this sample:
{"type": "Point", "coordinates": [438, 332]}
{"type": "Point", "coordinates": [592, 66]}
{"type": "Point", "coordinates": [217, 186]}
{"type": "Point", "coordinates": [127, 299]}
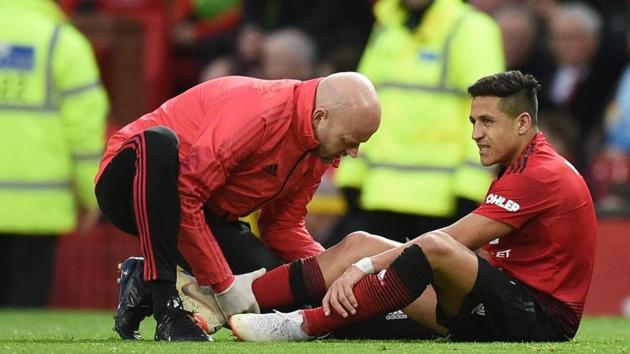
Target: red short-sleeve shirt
{"type": "Point", "coordinates": [547, 202]}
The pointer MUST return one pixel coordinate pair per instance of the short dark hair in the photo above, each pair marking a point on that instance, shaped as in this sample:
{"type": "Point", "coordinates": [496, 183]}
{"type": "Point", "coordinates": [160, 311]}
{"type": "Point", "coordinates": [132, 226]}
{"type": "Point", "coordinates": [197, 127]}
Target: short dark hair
{"type": "Point", "coordinates": [517, 92]}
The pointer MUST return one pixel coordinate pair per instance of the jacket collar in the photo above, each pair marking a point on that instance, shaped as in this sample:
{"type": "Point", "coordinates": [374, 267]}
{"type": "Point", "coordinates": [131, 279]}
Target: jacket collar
{"type": "Point", "coordinates": [302, 125]}
{"type": "Point", "coordinates": [304, 107]}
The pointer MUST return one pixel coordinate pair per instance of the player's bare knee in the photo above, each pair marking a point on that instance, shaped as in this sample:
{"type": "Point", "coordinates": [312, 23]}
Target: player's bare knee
{"type": "Point", "coordinates": [437, 246]}
{"type": "Point", "coordinates": [353, 241]}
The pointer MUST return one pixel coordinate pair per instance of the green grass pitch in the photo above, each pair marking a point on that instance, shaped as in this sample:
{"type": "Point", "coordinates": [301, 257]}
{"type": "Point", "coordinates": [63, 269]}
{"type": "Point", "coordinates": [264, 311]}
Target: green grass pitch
{"type": "Point", "coordinates": [83, 331]}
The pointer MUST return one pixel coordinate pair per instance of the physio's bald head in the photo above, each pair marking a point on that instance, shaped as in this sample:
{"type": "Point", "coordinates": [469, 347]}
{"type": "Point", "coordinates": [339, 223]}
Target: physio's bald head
{"type": "Point", "coordinates": [353, 97]}
{"type": "Point", "coordinates": [347, 110]}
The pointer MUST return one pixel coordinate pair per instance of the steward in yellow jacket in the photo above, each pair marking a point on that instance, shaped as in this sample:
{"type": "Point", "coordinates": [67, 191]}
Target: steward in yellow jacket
{"type": "Point", "coordinates": [422, 163]}
{"type": "Point", "coordinates": [52, 115]}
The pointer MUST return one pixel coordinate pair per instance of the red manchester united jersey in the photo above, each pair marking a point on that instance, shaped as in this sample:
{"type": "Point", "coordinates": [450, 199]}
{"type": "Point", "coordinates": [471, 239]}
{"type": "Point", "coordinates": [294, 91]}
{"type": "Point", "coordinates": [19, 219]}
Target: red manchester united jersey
{"type": "Point", "coordinates": [552, 249]}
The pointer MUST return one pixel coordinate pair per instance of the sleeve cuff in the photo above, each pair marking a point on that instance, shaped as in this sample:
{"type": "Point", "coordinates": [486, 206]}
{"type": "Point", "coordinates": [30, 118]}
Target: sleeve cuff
{"type": "Point", "coordinates": [223, 285]}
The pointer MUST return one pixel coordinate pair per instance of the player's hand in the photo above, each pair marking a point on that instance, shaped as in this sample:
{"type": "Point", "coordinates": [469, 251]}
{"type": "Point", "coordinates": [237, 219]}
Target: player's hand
{"type": "Point", "coordinates": [340, 295]}
{"type": "Point", "coordinates": [239, 297]}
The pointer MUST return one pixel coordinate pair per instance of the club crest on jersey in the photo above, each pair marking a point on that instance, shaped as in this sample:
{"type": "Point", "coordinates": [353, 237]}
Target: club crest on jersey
{"type": "Point", "coordinates": [502, 202]}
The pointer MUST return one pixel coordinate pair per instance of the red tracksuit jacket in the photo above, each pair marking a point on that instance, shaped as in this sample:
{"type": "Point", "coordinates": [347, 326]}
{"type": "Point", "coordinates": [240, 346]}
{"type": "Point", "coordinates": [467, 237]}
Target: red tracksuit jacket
{"type": "Point", "coordinates": [245, 144]}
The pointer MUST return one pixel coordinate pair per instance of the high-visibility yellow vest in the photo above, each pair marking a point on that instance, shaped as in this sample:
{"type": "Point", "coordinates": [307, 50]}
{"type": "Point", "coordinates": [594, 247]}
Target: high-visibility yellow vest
{"type": "Point", "coordinates": [52, 119]}
{"type": "Point", "coordinates": [422, 157]}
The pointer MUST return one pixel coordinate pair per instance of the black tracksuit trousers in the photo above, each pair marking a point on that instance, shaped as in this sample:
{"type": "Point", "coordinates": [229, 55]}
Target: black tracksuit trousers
{"type": "Point", "coordinates": [137, 192]}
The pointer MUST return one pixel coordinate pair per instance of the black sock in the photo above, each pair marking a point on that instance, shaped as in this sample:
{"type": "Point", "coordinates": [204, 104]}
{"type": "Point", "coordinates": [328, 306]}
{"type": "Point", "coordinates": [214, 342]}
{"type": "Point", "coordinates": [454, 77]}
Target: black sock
{"type": "Point", "coordinates": [162, 291]}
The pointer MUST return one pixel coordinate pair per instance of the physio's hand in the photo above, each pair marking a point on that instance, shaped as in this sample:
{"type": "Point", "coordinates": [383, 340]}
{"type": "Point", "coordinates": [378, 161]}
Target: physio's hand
{"type": "Point", "coordinates": [340, 295]}
{"type": "Point", "coordinates": [239, 297]}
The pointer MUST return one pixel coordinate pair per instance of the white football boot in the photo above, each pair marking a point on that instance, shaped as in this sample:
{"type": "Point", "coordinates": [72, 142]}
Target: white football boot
{"type": "Point", "coordinates": [269, 327]}
{"type": "Point", "coordinates": [200, 300]}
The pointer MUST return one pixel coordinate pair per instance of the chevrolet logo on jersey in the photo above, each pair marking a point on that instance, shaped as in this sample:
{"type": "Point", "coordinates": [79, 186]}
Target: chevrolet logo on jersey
{"type": "Point", "coordinates": [500, 201]}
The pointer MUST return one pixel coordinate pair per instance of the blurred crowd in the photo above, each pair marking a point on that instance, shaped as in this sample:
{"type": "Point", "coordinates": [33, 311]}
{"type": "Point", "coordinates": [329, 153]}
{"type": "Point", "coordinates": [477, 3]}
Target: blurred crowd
{"type": "Point", "coordinates": [577, 50]}
{"type": "Point", "coordinates": [418, 171]}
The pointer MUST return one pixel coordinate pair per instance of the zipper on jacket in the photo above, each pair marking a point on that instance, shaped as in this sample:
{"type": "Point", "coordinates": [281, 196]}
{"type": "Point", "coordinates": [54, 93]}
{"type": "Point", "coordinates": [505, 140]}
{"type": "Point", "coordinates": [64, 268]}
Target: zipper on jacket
{"type": "Point", "coordinates": [283, 183]}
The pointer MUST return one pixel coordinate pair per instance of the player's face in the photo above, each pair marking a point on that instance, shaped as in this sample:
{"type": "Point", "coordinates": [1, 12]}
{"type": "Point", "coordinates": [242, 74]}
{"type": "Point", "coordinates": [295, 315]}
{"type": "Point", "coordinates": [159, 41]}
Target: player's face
{"type": "Point", "coordinates": [496, 134]}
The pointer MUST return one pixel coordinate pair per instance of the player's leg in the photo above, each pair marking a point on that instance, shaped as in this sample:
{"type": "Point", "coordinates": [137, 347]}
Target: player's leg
{"type": "Point", "coordinates": [295, 284]}
{"type": "Point", "coordinates": [304, 281]}
{"type": "Point", "coordinates": [390, 325]}
{"type": "Point", "coordinates": [500, 308]}
{"type": "Point", "coordinates": [335, 260]}
{"type": "Point", "coordinates": [298, 283]}
{"type": "Point", "coordinates": [454, 271]}
{"type": "Point", "coordinates": [398, 286]}
{"type": "Point", "coordinates": [450, 261]}
{"type": "Point", "coordinates": [435, 258]}
{"type": "Point", "coordinates": [476, 300]}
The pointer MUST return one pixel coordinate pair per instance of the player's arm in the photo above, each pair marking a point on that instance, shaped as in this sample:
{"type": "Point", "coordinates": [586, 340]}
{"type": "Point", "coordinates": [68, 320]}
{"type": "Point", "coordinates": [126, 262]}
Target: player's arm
{"type": "Point", "coordinates": [473, 231]}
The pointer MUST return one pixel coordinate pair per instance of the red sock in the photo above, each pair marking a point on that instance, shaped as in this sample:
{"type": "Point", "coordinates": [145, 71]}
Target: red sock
{"type": "Point", "coordinates": [297, 283]}
{"type": "Point", "coordinates": [273, 290]}
{"type": "Point", "coordinates": [314, 284]}
{"type": "Point", "coordinates": [374, 297]}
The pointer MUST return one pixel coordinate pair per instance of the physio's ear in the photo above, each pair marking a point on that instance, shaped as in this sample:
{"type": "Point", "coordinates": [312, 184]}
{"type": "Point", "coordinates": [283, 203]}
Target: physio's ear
{"type": "Point", "coordinates": [320, 116]}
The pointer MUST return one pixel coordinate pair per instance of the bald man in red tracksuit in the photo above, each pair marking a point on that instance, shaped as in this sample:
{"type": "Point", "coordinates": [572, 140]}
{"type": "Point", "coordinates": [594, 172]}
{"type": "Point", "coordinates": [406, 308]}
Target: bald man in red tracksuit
{"type": "Point", "coordinates": [189, 169]}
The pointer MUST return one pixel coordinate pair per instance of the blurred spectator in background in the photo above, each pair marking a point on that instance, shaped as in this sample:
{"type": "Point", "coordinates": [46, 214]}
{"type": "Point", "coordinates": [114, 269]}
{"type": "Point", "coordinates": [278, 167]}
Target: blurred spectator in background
{"type": "Point", "coordinates": [203, 30]}
{"type": "Point", "coordinates": [342, 58]}
{"type": "Point", "coordinates": [487, 6]}
{"type": "Point", "coordinates": [522, 41]}
{"type": "Point", "coordinates": [52, 114]}
{"type": "Point", "coordinates": [543, 8]}
{"type": "Point", "coordinates": [611, 168]}
{"type": "Point", "coordinates": [560, 131]}
{"type": "Point", "coordinates": [617, 138]}
{"type": "Point", "coordinates": [585, 73]}
{"type": "Point", "coordinates": [155, 21]}
{"type": "Point", "coordinates": [331, 23]}
{"type": "Point", "coordinates": [205, 25]}
{"type": "Point", "coordinates": [288, 53]}
{"type": "Point", "coordinates": [422, 168]}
